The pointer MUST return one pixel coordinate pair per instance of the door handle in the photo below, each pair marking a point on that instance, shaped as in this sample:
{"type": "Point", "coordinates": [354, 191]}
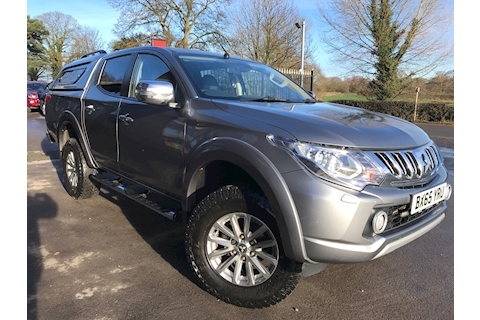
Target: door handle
{"type": "Point", "coordinates": [125, 118]}
{"type": "Point", "coordinates": [90, 109]}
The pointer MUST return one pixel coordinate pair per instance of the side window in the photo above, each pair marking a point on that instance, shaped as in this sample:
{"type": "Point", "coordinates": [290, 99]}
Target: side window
{"type": "Point", "coordinates": [71, 76]}
{"type": "Point", "coordinates": [112, 74]}
{"type": "Point", "coordinates": [149, 67]}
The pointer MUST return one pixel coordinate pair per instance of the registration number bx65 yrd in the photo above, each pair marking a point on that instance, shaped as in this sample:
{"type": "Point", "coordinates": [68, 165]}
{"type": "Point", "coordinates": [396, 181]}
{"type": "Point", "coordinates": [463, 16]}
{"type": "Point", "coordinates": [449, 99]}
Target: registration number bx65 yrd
{"type": "Point", "coordinates": [426, 199]}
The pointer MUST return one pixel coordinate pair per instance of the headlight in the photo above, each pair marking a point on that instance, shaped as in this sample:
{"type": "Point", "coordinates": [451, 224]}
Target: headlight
{"type": "Point", "coordinates": [31, 95]}
{"type": "Point", "coordinates": [349, 167]}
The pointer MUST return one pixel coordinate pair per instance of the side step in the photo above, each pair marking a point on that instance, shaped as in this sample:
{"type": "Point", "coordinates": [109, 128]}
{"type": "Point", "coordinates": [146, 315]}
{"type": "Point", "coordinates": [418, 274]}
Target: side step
{"type": "Point", "coordinates": [135, 194]}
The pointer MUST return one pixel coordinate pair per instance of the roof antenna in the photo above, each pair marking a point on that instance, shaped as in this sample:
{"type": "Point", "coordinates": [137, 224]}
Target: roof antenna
{"type": "Point", "coordinates": [226, 55]}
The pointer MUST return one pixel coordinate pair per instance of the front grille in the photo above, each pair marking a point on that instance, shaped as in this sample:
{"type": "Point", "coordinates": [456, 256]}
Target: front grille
{"type": "Point", "coordinates": [416, 164]}
{"type": "Point", "coordinates": [408, 169]}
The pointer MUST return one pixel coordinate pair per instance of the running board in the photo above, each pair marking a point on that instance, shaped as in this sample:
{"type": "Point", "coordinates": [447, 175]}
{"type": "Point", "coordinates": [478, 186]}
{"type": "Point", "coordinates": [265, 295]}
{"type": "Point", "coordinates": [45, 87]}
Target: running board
{"type": "Point", "coordinates": [138, 197]}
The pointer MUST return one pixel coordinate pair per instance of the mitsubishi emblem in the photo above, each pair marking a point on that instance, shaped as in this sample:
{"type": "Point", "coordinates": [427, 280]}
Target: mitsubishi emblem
{"type": "Point", "coordinates": [427, 164]}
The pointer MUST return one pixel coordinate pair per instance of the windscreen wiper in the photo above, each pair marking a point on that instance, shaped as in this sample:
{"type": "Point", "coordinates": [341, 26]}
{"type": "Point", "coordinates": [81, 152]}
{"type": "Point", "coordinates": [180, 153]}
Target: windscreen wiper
{"type": "Point", "coordinates": [267, 99]}
{"type": "Point", "coordinates": [310, 101]}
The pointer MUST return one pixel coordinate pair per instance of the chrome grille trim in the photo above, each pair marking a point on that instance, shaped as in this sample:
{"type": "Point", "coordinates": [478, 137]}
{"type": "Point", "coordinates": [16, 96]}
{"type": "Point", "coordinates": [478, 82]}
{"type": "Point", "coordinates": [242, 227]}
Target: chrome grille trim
{"type": "Point", "coordinates": [391, 164]}
{"type": "Point", "coordinates": [410, 166]}
{"type": "Point", "coordinates": [406, 165]}
{"type": "Point", "coordinates": [416, 167]}
{"type": "Point", "coordinates": [432, 155]}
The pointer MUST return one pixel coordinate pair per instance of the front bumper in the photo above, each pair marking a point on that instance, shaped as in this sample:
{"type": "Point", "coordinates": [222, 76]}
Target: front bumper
{"type": "Point", "coordinates": [337, 222]}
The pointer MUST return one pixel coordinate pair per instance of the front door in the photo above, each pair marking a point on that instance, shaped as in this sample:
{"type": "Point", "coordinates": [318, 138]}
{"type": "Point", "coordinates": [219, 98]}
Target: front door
{"type": "Point", "coordinates": [151, 137]}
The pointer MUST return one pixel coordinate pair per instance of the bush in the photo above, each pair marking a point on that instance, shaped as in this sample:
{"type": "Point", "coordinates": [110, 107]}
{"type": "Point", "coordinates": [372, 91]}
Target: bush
{"type": "Point", "coordinates": [426, 112]}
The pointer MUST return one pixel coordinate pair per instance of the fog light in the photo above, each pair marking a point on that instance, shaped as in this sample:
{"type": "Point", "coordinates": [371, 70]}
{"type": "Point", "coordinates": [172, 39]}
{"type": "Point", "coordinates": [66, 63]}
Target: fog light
{"type": "Point", "coordinates": [379, 222]}
{"type": "Point", "coordinates": [449, 192]}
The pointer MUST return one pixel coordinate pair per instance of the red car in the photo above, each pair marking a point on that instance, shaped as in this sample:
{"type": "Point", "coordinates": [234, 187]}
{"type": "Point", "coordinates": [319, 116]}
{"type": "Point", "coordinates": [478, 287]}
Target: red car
{"type": "Point", "coordinates": [32, 93]}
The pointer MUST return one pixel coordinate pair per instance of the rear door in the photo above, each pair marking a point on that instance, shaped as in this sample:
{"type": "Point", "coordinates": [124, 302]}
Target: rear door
{"type": "Point", "coordinates": [101, 109]}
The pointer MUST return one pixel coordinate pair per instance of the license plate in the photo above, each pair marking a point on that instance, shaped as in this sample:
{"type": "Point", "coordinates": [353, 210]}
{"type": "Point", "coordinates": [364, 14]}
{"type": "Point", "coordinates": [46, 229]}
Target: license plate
{"type": "Point", "coordinates": [425, 199]}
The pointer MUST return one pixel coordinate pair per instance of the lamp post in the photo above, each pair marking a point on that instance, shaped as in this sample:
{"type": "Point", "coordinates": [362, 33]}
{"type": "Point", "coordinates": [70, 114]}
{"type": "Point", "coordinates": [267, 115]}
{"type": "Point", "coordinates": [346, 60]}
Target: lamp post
{"type": "Point", "coordinates": [302, 64]}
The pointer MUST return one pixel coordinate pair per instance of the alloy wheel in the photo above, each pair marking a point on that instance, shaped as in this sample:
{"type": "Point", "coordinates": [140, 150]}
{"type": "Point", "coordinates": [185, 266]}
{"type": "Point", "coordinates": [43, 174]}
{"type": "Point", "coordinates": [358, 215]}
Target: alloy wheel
{"type": "Point", "coordinates": [71, 170]}
{"type": "Point", "coordinates": [242, 249]}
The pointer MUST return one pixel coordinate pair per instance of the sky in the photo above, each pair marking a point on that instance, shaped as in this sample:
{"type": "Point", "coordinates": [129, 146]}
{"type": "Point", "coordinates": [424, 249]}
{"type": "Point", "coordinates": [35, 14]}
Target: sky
{"type": "Point", "coordinates": [98, 14]}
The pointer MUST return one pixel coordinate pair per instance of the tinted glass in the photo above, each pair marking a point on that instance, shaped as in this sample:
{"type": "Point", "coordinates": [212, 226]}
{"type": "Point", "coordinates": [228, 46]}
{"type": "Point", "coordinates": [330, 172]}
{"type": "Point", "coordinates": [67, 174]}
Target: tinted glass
{"type": "Point", "coordinates": [112, 74]}
{"type": "Point", "coordinates": [236, 79]}
{"type": "Point", "coordinates": [149, 67]}
{"type": "Point", "coordinates": [71, 76]}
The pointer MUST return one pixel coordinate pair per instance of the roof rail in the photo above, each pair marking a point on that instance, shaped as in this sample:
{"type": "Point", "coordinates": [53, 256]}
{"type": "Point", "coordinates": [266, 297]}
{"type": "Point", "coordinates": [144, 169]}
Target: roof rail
{"type": "Point", "coordinates": [94, 53]}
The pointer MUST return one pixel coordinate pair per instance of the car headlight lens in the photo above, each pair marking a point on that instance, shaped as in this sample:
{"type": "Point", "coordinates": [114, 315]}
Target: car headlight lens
{"type": "Point", "coordinates": [349, 167]}
{"type": "Point", "coordinates": [31, 95]}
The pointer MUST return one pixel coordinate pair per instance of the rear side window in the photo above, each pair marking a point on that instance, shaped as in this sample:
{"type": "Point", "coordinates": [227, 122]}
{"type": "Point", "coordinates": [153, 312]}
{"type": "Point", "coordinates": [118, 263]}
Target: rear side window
{"type": "Point", "coordinates": [112, 74]}
{"type": "Point", "coordinates": [71, 76]}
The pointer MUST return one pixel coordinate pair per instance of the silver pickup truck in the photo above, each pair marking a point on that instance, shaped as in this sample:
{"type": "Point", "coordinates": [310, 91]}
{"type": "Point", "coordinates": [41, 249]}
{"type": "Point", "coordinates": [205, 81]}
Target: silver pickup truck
{"type": "Point", "coordinates": [270, 184]}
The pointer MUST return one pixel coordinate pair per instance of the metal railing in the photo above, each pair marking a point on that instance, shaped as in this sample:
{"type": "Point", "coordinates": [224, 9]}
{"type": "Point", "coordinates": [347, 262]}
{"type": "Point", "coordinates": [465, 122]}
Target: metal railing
{"type": "Point", "coordinates": [296, 76]}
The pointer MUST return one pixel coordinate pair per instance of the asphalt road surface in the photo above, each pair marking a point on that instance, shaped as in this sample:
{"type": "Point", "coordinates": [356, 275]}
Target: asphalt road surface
{"type": "Point", "coordinates": [110, 258]}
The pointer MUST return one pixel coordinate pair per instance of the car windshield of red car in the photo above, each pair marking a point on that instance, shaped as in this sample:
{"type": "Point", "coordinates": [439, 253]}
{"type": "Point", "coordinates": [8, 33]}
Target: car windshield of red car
{"type": "Point", "coordinates": [35, 86]}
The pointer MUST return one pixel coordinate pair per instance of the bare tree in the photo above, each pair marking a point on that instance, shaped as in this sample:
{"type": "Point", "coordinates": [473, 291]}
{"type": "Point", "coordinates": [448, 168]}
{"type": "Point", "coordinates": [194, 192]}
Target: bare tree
{"type": "Point", "coordinates": [61, 28]}
{"type": "Point", "coordinates": [265, 31]}
{"type": "Point", "coordinates": [389, 41]}
{"type": "Point", "coordinates": [86, 39]}
{"type": "Point", "coordinates": [182, 23]}
{"type": "Point", "coordinates": [67, 40]}
{"type": "Point", "coordinates": [442, 81]}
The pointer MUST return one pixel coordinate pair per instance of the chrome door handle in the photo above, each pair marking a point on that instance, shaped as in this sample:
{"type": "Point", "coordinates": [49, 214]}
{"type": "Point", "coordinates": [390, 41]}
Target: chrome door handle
{"type": "Point", "coordinates": [125, 118]}
{"type": "Point", "coordinates": [90, 109]}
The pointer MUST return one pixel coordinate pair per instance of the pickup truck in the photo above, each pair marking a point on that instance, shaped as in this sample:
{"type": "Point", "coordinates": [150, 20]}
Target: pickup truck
{"type": "Point", "coordinates": [270, 184]}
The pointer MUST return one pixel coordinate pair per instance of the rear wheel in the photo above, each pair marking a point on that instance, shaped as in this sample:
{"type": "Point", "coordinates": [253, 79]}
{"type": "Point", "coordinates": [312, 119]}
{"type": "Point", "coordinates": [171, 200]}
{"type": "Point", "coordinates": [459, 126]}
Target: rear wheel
{"type": "Point", "coordinates": [234, 249]}
{"type": "Point", "coordinates": [76, 173]}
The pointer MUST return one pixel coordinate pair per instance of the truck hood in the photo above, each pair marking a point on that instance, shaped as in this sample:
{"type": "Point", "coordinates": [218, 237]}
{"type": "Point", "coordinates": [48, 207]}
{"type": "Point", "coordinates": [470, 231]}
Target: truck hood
{"type": "Point", "coordinates": [332, 124]}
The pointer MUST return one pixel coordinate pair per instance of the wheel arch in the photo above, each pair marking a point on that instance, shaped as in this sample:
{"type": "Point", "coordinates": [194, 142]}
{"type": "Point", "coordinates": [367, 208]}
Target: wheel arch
{"type": "Point", "coordinates": [69, 127]}
{"type": "Point", "coordinates": [226, 160]}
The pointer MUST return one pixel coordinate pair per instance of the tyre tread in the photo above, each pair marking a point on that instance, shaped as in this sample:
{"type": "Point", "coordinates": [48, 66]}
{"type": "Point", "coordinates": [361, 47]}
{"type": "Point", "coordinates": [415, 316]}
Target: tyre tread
{"type": "Point", "coordinates": [86, 188]}
{"type": "Point", "coordinates": [291, 270]}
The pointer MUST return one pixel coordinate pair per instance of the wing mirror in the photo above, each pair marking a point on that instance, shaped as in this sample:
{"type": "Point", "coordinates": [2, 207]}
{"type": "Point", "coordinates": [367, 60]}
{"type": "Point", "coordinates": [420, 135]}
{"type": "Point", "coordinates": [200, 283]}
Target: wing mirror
{"type": "Point", "coordinates": [312, 94]}
{"type": "Point", "coordinates": [155, 92]}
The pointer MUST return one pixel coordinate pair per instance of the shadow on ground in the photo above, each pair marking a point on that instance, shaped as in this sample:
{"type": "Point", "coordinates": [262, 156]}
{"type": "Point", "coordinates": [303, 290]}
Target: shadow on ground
{"type": "Point", "coordinates": [45, 208]}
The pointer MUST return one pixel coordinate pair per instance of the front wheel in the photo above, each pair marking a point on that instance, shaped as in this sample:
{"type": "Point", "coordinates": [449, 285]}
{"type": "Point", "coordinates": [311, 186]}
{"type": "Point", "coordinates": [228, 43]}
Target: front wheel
{"type": "Point", "coordinates": [76, 173]}
{"type": "Point", "coordinates": [234, 249]}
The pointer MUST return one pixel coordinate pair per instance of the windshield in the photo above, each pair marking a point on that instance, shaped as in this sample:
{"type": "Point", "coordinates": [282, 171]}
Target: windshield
{"type": "Point", "coordinates": [236, 79]}
{"type": "Point", "coordinates": [36, 86]}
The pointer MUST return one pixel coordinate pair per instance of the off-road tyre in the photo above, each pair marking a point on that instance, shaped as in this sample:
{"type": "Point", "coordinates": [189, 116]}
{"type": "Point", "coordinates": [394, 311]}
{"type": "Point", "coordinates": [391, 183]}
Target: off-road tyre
{"type": "Point", "coordinates": [216, 213]}
{"type": "Point", "coordinates": [76, 172]}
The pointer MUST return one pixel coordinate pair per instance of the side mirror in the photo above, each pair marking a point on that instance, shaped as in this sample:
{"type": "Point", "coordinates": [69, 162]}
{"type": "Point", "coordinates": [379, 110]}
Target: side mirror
{"type": "Point", "coordinates": [155, 92]}
{"type": "Point", "coordinates": [312, 94]}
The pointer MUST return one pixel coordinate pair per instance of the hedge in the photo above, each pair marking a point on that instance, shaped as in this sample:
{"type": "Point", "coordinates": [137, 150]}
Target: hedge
{"type": "Point", "coordinates": [426, 112]}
